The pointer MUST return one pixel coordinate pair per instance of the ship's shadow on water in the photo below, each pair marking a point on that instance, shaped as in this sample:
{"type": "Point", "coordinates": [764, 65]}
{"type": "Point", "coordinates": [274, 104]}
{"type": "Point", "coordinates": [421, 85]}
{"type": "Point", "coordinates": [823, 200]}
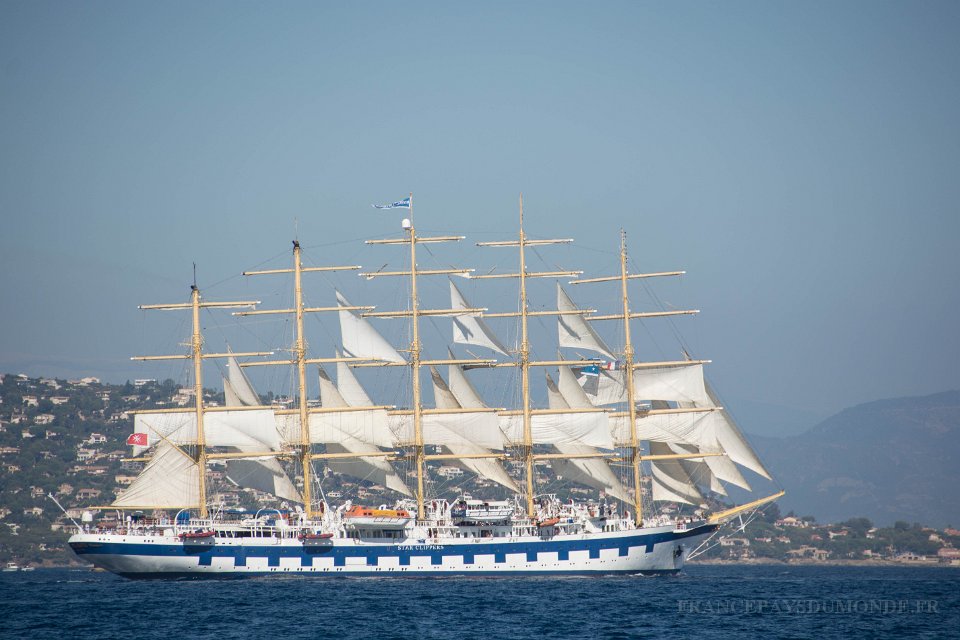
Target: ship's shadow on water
{"type": "Point", "coordinates": [731, 602]}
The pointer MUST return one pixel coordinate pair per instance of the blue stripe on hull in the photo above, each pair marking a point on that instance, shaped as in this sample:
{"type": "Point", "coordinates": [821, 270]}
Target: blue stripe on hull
{"type": "Point", "coordinates": [345, 556]}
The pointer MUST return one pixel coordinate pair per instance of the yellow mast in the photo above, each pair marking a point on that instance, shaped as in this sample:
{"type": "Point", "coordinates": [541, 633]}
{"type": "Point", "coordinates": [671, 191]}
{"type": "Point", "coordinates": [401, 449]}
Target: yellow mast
{"type": "Point", "coordinates": [300, 355]}
{"type": "Point", "coordinates": [197, 355]}
{"type": "Point", "coordinates": [300, 360]}
{"type": "Point", "coordinates": [415, 366]}
{"type": "Point", "coordinates": [631, 398]}
{"type": "Point", "coordinates": [525, 372]}
{"type": "Point", "coordinates": [197, 348]}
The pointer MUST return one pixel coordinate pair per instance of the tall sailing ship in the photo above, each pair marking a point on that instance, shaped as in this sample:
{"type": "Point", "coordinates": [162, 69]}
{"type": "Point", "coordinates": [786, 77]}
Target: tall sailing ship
{"type": "Point", "coordinates": [606, 412]}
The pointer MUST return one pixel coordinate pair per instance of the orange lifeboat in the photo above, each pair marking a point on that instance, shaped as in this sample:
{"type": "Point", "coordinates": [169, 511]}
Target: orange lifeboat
{"type": "Point", "coordinates": [368, 517]}
{"type": "Point", "coordinates": [549, 522]}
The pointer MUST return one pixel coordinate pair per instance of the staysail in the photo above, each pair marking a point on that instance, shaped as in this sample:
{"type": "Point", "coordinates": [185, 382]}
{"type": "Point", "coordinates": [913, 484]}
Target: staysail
{"type": "Point", "coordinates": [592, 472]}
{"type": "Point", "coordinates": [263, 473]}
{"type": "Point", "coordinates": [445, 398]}
{"type": "Point", "coordinates": [575, 332]}
{"type": "Point", "coordinates": [339, 437]}
{"type": "Point", "coordinates": [470, 328]}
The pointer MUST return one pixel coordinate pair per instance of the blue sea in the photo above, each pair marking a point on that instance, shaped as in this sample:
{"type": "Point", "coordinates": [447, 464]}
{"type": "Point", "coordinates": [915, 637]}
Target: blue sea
{"type": "Point", "coordinates": [730, 602]}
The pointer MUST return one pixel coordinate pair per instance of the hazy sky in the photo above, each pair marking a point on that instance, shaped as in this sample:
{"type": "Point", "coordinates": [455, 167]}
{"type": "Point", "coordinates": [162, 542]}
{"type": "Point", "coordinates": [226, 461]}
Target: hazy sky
{"type": "Point", "coordinates": [799, 160]}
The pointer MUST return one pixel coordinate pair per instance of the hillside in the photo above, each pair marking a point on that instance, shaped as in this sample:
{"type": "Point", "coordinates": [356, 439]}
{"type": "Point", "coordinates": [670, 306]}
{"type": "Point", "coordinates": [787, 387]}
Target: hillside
{"type": "Point", "coordinates": [887, 460]}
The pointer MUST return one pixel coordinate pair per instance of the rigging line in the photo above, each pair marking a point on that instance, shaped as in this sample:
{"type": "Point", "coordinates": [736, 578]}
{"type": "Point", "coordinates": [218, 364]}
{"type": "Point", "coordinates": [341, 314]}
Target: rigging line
{"type": "Point", "coordinates": [213, 286]}
{"type": "Point", "coordinates": [270, 259]}
{"type": "Point", "coordinates": [333, 244]}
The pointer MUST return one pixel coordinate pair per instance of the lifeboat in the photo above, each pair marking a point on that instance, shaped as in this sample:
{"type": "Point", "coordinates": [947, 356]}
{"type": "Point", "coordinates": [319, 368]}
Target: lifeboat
{"type": "Point", "coordinates": [549, 522]}
{"type": "Point", "coordinates": [315, 538]}
{"type": "Point", "coordinates": [197, 535]}
{"type": "Point", "coordinates": [370, 518]}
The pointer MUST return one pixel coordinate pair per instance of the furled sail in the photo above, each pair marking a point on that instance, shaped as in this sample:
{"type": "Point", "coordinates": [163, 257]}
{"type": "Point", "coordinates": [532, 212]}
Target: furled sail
{"type": "Point", "coordinates": [575, 330]}
{"type": "Point", "coordinates": [170, 479]}
{"type": "Point", "coordinates": [470, 328]}
{"type": "Point", "coordinates": [360, 339]}
{"type": "Point", "coordinates": [444, 398]}
{"type": "Point", "coordinates": [591, 472]}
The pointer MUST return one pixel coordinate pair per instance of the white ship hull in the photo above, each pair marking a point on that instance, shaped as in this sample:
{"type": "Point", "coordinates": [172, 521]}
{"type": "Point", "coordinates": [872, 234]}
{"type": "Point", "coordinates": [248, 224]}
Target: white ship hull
{"type": "Point", "coordinates": [650, 550]}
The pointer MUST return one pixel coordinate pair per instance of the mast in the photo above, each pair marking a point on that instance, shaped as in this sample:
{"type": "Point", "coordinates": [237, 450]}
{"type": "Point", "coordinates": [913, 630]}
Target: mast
{"type": "Point", "coordinates": [635, 456]}
{"type": "Point", "coordinates": [300, 360]}
{"type": "Point", "coordinates": [415, 366]}
{"type": "Point", "coordinates": [197, 353]}
{"type": "Point", "coordinates": [300, 354]}
{"type": "Point", "coordinates": [523, 356]}
{"type": "Point", "coordinates": [631, 399]}
{"type": "Point", "coordinates": [525, 371]}
{"type": "Point", "coordinates": [416, 362]}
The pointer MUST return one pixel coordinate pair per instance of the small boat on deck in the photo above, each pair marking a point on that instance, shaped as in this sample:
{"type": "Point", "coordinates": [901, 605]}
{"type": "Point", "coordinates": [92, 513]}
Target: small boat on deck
{"type": "Point", "coordinates": [198, 535]}
{"type": "Point", "coordinates": [380, 518]}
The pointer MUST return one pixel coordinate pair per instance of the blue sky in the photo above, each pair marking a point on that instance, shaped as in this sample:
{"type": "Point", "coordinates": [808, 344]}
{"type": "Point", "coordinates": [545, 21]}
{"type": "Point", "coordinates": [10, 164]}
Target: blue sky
{"type": "Point", "coordinates": [800, 161]}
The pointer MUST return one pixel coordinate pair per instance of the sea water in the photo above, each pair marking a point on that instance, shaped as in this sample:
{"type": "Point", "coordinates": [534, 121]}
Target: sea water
{"type": "Point", "coordinates": [729, 601]}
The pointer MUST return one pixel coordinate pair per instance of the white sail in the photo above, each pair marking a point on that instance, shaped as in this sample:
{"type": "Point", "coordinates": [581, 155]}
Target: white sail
{"type": "Point", "coordinates": [443, 397]}
{"type": "Point", "coordinates": [572, 393]}
{"type": "Point", "coordinates": [603, 387]}
{"type": "Point", "coordinates": [731, 440]}
{"type": "Point", "coordinates": [372, 468]}
{"type": "Point", "coordinates": [470, 328]}
{"type": "Point", "coordinates": [490, 469]}
{"type": "Point", "coordinates": [258, 428]}
{"type": "Point", "coordinates": [170, 479]}
{"type": "Point", "coordinates": [592, 472]}
{"type": "Point", "coordinates": [674, 383]}
{"type": "Point", "coordinates": [329, 394]}
{"type": "Point", "coordinates": [478, 428]}
{"type": "Point", "coordinates": [350, 389]}
{"type": "Point", "coordinates": [575, 330]}
{"type": "Point", "coordinates": [463, 390]}
{"type": "Point", "coordinates": [684, 428]}
{"type": "Point", "coordinates": [682, 383]}
{"type": "Point", "coordinates": [263, 474]}
{"type": "Point", "coordinates": [370, 426]}
{"type": "Point", "coordinates": [230, 397]}
{"type": "Point", "coordinates": [592, 429]}
{"type": "Point", "coordinates": [670, 482]}
{"type": "Point", "coordinates": [699, 470]}
{"type": "Point", "coordinates": [360, 339]}
{"type": "Point", "coordinates": [240, 385]}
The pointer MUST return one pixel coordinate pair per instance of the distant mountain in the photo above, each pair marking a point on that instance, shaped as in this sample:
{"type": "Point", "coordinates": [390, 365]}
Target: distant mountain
{"type": "Point", "coordinates": [887, 460]}
{"type": "Point", "coordinates": [772, 420]}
